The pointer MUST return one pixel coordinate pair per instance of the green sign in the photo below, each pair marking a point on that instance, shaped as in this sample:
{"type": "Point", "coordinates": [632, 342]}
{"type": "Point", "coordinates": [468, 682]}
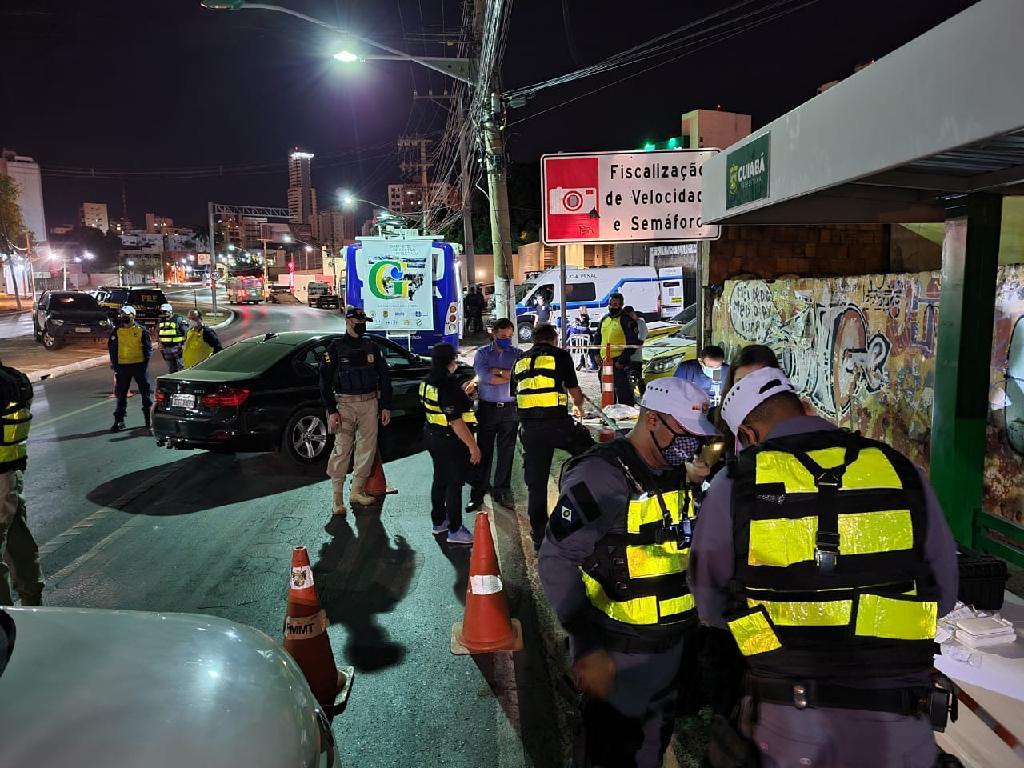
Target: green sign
{"type": "Point", "coordinates": [747, 170]}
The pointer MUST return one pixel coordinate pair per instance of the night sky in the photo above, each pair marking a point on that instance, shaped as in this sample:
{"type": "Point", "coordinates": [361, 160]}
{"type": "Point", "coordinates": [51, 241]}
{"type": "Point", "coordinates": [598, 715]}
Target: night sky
{"type": "Point", "coordinates": [137, 85]}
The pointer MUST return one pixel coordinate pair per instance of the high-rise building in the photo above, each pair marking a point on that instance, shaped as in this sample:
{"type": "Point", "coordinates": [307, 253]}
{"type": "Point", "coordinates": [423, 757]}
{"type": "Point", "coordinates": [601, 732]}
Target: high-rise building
{"type": "Point", "coordinates": [336, 229]}
{"type": "Point", "coordinates": [159, 225]}
{"type": "Point", "coordinates": [407, 199]}
{"type": "Point", "coordinates": [94, 215]}
{"type": "Point", "coordinates": [25, 173]}
{"type": "Point", "coordinates": [301, 195]}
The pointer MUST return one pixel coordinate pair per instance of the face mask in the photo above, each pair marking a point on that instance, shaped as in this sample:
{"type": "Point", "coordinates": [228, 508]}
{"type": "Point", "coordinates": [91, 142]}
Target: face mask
{"type": "Point", "coordinates": [126, 320]}
{"type": "Point", "coordinates": [614, 312]}
{"type": "Point", "coordinates": [680, 449]}
{"type": "Point", "coordinates": [196, 323]}
{"type": "Point", "coordinates": [708, 371]}
{"type": "Point", "coordinates": [503, 344]}
{"type": "Point", "coordinates": [359, 328]}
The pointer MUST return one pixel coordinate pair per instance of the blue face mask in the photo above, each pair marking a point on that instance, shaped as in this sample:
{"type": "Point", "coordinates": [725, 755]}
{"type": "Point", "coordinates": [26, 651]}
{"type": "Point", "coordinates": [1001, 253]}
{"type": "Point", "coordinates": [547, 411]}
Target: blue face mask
{"type": "Point", "coordinates": [708, 371]}
{"type": "Point", "coordinates": [503, 344]}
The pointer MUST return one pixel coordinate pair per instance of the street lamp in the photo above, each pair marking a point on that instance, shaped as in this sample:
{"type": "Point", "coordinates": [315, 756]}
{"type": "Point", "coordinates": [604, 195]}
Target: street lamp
{"type": "Point", "coordinates": [54, 255]}
{"type": "Point", "coordinates": [347, 57]}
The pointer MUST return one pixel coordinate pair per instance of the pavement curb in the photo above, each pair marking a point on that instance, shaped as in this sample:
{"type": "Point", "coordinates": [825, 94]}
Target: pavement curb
{"type": "Point", "coordinates": [93, 362]}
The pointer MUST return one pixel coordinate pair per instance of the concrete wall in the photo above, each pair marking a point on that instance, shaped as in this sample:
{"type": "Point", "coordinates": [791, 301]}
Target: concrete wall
{"type": "Point", "coordinates": [862, 351]}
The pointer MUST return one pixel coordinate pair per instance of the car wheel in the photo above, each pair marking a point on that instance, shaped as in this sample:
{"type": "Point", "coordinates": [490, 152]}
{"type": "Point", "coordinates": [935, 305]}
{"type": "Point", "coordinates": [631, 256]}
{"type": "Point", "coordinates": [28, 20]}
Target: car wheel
{"type": "Point", "coordinates": [306, 439]}
{"type": "Point", "coordinates": [50, 341]}
{"type": "Point", "coordinates": [525, 333]}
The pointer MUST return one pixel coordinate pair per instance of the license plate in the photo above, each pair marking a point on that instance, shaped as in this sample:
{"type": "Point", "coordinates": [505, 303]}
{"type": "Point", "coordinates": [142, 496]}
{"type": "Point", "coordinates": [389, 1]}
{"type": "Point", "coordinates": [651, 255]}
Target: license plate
{"type": "Point", "coordinates": [183, 401]}
{"type": "Point", "coordinates": [80, 329]}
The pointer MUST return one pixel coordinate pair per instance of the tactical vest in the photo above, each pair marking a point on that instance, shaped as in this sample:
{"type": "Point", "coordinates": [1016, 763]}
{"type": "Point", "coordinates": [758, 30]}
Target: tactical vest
{"type": "Point", "coordinates": [830, 575]}
{"type": "Point", "coordinates": [196, 349]}
{"type": "Point", "coordinates": [612, 333]}
{"type": "Point", "coordinates": [356, 372]}
{"type": "Point", "coordinates": [540, 391]}
{"type": "Point", "coordinates": [129, 345]}
{"type": "Point", "coordinates": [432, 405]}
{"type": "Point", "coordinates": [14, 419]}
{"type": "Point", "coordinates": [638, 577]}
{"type": "Point", "coordinates": [169, 332]}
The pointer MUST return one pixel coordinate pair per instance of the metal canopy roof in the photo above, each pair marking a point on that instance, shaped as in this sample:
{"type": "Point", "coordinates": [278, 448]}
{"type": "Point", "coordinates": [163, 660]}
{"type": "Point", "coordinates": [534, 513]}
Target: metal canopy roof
{"type": "Point", "coordinates": [939, 117]}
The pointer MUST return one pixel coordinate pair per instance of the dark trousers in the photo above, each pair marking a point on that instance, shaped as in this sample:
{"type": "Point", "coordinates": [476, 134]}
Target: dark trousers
{"type": "Point", "coordinates": [623, 385]}
{"type": "Point", "coordinates": [123, 375]}
{"type": "Point", "coordinates": [451, 464]}
{"type": "Point", "coordinates": [540, 439]}
{"type": "Point", "coordinates": [475, 321]}
{"type": "Point", "coordinates": [496, 424]}
{"type": "Point", "coordinates": [173, 357]}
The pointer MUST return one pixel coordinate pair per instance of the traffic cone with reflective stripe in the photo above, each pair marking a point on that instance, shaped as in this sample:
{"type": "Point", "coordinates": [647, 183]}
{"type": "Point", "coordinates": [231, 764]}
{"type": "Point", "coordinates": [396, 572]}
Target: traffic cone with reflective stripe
{"type": "Point", "coordinates": [486, 626]}
{"type": "Point", "coordinates": [607, 378]}
{"type": "Point", "coordinates": [306, 640]}
{"type": "Point", "coordinates": [377, 483]}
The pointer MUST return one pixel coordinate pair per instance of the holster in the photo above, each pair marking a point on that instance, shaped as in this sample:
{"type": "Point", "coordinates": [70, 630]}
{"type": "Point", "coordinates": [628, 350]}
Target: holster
{"type": "Point", "coordinates": [728, 748]}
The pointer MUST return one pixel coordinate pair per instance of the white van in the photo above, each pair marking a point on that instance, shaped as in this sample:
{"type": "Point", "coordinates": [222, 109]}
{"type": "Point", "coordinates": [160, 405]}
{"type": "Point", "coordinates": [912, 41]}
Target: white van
{"type": "Point", "coordinates": [652, 293]}
{"type": "Point", "coordinates": [314, 290]}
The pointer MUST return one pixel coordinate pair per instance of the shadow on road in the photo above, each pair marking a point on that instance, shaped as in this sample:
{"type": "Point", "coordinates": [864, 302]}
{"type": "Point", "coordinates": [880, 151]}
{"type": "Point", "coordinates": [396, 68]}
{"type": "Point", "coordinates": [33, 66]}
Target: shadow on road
{"type": "Point", "coordinates": [78, 436]}
{"type": "Point", "coordinates": [458, 555]}
{"type": "Point", "coordinates": [203, 481]}
{"type": "Point", "coordinates": [362, 573]}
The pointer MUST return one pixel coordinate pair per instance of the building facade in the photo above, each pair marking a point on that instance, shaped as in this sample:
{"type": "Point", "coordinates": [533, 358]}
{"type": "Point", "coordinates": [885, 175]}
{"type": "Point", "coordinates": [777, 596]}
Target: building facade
{"type": "Point", "coordinates": [25, 173]}
{"type": "Point", "coordinates": [301, 195]}
{"type": "Point", "coordinates": [163, 225]}
{"type": "Point", "coordinates": [94, 215]}
{"type": "Point", "coordinates": [335, 229]}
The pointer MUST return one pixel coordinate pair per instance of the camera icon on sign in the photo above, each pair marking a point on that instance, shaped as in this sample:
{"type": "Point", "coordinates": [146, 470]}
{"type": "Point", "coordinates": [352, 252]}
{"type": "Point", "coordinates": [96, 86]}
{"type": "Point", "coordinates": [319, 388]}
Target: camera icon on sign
{"type": "Point", "coordinates": [572, 199]}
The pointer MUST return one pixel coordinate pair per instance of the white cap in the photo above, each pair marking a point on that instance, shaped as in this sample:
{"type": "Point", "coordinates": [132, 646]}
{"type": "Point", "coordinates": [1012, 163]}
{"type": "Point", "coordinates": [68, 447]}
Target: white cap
{"type": "Point", "coordinates": [750, 391]}
{"type": "Point", "coordinates": [166, 308]}
{"type": "Point", "coordinates": [684, 401]}
{"type": "Point", "coordinates": [128, 309]}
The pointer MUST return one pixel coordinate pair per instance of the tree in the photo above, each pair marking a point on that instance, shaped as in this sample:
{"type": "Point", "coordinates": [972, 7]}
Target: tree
{"type": "Point", "coordinates": [524, 210]}
{"type": "Point", "coordinates": [11, 227]}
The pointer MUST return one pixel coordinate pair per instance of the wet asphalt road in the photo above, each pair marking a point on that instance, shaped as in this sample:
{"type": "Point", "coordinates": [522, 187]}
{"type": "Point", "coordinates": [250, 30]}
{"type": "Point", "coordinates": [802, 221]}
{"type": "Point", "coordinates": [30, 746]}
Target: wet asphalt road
{"type": "Point", "coordinates": [125, 524]}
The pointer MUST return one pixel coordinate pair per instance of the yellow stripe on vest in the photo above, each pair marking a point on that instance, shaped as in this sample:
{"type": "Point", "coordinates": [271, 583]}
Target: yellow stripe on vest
{"type": "Point", "coordinates": [785, 541]}
{"type": "Point", "coordinates": [896, 619]}
{"type": "Point", "coordinates": [544, 400]}
{"type": "Point", "coordinates": [754, 634]}
{"type": "Point", "coordinates": [871, 470]}
{"type": "Point", "coordinates": [826, 613]}
{"type": "Point", "coordinates": [638, 611]}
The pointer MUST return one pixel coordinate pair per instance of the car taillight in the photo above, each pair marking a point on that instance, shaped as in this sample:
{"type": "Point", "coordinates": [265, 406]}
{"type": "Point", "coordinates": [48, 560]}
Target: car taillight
{"type": "Point", "coordinates": [225, 398]}
{"type": "Point", "coordinates": [161, 396]}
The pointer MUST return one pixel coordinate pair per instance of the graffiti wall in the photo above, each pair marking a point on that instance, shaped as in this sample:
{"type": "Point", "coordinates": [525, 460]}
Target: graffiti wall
{"type": "Point", "coordinates": [862, 351]}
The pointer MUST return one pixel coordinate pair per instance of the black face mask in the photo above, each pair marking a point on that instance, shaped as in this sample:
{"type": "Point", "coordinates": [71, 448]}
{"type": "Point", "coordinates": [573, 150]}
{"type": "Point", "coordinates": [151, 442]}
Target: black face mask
{"type": "Point", "coordinates": [359, 329]}
{"type": "Point", "coordinates": [614, 312]}
{"type": "Point", "coordinates": [125, 320]}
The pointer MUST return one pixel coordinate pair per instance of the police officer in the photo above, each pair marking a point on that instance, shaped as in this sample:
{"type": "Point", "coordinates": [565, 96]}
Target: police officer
{"type": "Point", "coordinates": [827, 557]}
{"type": "Point", "coordinates": [613, 566]}
{"type": "Point", "coordinates": [17, 546]}
{"type": "Point", "coordinates": [200, 342]}
{"type": "Point", "coordinates": [449, 414]}
{"type": "Point", "coordinates": [545, 379]}
{"type": "Point", "coordinates": [619, 333]}
{"type": "Point", "coordinates": [170, 331]}
{"type": "Point", "coordinates": [130, 348]}
{"type": "Point", "coordinates": [356, 390]}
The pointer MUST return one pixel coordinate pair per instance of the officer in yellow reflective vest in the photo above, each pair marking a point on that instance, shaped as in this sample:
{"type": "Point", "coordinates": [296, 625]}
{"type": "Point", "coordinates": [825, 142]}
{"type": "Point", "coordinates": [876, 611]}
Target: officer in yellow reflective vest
{"type": "Point", "coordinates": [170, 331]}
{"type": "Point", "coordinates": [18, 548]}
{"type": "Point", "coordinates": [545, 379]}
{"type": "Point", "coordinates": [827, 557]}
{"type": "Point", "coordinates": [619, 333]}
{"type": "Point", "coordinates": [613, 565]}
{"type": "Point", "coordinates": [130, 348]}
{"type": "Point", "coordinates": [200, 342]}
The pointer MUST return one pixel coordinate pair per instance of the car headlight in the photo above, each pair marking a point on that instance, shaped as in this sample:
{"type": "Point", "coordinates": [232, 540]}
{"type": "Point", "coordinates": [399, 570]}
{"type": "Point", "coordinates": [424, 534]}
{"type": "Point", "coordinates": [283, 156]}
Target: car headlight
{"type": "Point", "coordinates": [662, 365]}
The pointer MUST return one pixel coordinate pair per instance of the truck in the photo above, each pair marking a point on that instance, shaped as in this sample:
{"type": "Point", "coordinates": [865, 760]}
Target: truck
{"type": "Point", "coordinates": [445, 292]}
{"type": "Point", "coordinates": [653, 293]}
{"type": "Point", "coordinates": [244, 289]}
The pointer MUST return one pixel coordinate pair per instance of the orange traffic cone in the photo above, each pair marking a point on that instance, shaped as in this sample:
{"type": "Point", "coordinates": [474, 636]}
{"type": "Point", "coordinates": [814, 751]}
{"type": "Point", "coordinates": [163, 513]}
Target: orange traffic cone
{"type": "Point", "coordinates": [306, 640]}
{"type": "Point", "coordinates": [607, 378]}
{"type": "Point", "coordinates": [377, 483]}
{"type": "Point", "coordinates": [486, 626]}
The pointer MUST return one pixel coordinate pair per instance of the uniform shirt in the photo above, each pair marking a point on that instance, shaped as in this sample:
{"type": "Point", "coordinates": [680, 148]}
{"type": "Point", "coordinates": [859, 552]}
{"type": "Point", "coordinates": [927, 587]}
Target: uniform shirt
{"type": "Point", "coordinates": [452, 399]}
{"type": "Point", "coordinates": [147, 346]}
{"type": "Point", "coordinates": [492, 357]}
{"type": "Point", "coordinates": [329, 369]}
{"type": "Point", "coordinates": [693, 372]}
{"type": "Point", "coordinates": [712, 556]}
{"type": "Point", "coordinates": [593, 502]}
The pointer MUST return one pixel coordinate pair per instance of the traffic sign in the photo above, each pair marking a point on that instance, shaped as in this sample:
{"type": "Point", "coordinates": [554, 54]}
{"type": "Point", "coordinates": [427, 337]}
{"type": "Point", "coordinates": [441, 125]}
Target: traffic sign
{"type": "Point", "coordinates": [617, 197]}
{"type": "Point", "coordinates": [203, 258]}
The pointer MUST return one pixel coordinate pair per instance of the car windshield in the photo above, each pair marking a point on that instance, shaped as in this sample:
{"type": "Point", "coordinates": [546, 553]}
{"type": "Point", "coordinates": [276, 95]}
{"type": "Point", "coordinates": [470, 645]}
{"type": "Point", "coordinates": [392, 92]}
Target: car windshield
{"type": "Point", "coordinates": [524, 289]}
{"type": "Point", "coordinates": [78, 301]}
{"type": "Point", "coordinates": [250, 356]}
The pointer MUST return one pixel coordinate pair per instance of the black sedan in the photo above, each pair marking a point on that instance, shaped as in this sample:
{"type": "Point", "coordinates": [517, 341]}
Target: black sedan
{"type": "Point", "coordinates": [262, 394]}
{"type": "Point", "coordinates": [67, 317]}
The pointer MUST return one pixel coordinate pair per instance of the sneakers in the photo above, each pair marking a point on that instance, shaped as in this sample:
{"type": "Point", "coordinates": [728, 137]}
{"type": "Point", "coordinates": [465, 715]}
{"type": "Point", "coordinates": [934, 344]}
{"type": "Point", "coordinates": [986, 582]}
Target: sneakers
{"type": "Point", "coordinates": [461, 536]}
{"type": "Point", "coordinates": [475, 505]}
{"type": "Point", "coordinates": [440, 528]}
{"type": "Point", "coordinates": [117, 426]}
{"type": "Point", "coordinates": [505, 498]}
{"type": "Point", "coordinates": [360, 497]}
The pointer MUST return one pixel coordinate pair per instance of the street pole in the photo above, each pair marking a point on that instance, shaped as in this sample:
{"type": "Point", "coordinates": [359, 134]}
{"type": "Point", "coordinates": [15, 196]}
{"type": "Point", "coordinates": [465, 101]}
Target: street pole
{"type": "Point", "coordinates": [28, 259]}
{"type": "Point", "coordinates": [562, 301]}
{"type": "Point", "coordinates": [467, 203]}
{"type": "Point", "coordinates": [64, 266]}
{"type": "Point", "coordinates": [497, 189]}
{"type": "Point", "coordinates": [213, 257]}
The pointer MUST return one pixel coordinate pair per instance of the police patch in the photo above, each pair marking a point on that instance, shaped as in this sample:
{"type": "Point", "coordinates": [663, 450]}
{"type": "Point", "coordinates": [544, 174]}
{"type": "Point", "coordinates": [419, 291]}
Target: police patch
{"type": "Point", "coordinates": [369, 357]}
{"type": "Point", "coordinates": [565, 519]}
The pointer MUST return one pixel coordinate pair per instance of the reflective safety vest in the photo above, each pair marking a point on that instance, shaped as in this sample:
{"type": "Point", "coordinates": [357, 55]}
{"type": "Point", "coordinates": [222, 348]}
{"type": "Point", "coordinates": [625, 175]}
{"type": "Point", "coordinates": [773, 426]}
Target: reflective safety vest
{"type": "Point", "coordinates": [129, 345]}
{"type": "Point", "coordinates": [14, 419]}
{"type": "Point", "coordinates": [169, 332]}
{"type": "Point", "coordinates": [196, 349]}
{"type": "Point", "coordinates": [612, 333]}
{"type": "Point", "coordinates": [830, 577]}
{"type": "Point", "coordinates": [638, 577]}
{"type": "Point", "coordinates": [429, 396]}
{"type": "Point", "coordinates": [540, 392]}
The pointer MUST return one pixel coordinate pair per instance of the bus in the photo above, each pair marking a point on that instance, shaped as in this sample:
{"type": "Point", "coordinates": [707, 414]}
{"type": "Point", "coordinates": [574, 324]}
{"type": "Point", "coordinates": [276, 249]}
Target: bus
{"type": "Point", "coordinates": [244, 290]}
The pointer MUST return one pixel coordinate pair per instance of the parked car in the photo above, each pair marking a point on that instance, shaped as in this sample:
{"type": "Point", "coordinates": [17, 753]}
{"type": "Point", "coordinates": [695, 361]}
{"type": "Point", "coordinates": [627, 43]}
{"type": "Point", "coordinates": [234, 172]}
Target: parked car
{"type": "Point", "coordinates": [262, 394]}
{"type": "Point", "coordinates": [661, 354]}
{"type": "Point", "coordinates": [98, 688]}
{"type": "Point", "coordinates": [63, 317]}
{"type": "Point", "coordinates": [146, 301]}
{"type": "Point", "coordinates": [325, 301]}
{"type": "Point", "coordinates": [315, 289]}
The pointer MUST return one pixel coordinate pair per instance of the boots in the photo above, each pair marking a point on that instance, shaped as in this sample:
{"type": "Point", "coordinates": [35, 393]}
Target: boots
{"type": "Point", "coordinates": [358, 496]}
{"type": "Point", "coordinates": [148, 419]}
{"type": "Point", "coordinates": [338, 503]}
{"type": "Point", "coordinates": [117, 426]}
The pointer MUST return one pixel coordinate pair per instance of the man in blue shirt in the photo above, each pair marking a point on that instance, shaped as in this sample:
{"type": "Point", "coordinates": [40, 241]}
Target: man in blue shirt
{"type": "Point", "coordinates": [708, 372]}
{"type": "Point", "coordinates": [497, 416]}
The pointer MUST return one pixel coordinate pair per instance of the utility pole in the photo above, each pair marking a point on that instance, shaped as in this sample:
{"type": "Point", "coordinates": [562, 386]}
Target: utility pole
{"type": "Point", "coordinates": [28, 260]}
{"type": "Point", "coordinates": [466, 158]}
{"type": "Point", "coordinates": [497, 191]}
{"type": "Point", "coordinates": [213, 257]}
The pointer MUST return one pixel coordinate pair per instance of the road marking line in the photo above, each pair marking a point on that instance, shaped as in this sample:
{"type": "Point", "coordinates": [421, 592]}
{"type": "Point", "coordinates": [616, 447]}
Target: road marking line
{"type": "Point", "coordinates": [69, 414]}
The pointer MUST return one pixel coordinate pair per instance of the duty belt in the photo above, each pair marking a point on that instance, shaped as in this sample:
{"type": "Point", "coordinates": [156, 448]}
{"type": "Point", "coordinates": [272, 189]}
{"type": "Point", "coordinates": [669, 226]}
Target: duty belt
{"type": "Point", "coordinates": [620, 643]}
{"type": "Point", "coordinates": [356, 398]}
{"type": "Point", "coordinates": [810, 694]}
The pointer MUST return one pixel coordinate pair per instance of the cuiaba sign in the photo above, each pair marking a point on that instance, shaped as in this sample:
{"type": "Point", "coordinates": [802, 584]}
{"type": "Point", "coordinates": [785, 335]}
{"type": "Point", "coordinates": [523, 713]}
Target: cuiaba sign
{"type": "Point", "coordinates": [747, 172]}
{"type": "Point", "coordinates": [616, 197]}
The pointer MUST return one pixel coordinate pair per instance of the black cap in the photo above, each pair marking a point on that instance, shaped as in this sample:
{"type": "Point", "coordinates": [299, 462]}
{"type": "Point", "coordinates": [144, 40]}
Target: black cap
{"type": "Point", "coordinates": [356, 313]}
